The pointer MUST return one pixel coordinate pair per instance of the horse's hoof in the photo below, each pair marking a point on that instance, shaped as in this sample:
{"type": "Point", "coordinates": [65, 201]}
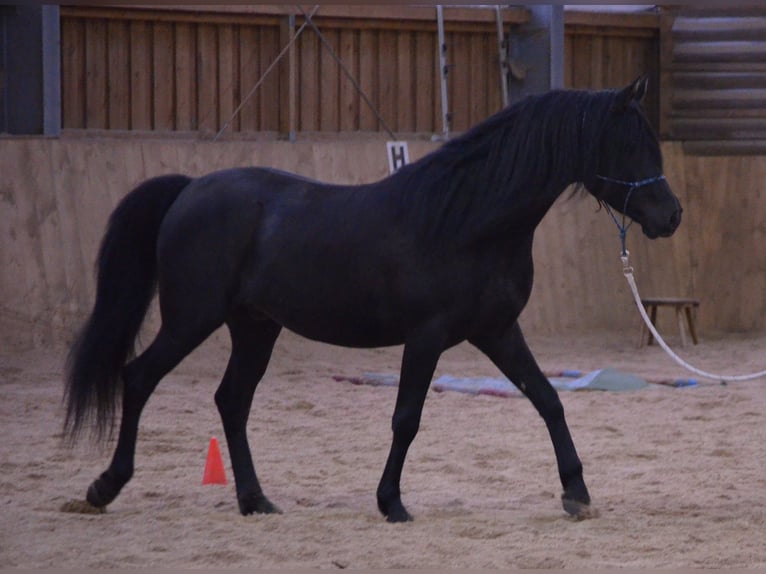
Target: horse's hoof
{"type": "Point", "coordinates": [257, 504]}
{"type": "Point", "coordinates": [403, 516]}
{"type": "Point", "coordinates": [100, 493]}
{"type": "Point", "coordinates": [395, 512]}
{"type": "Point", "coordinates": [81, 507]}
{"type": "Point", "coordinates": [578, 510]}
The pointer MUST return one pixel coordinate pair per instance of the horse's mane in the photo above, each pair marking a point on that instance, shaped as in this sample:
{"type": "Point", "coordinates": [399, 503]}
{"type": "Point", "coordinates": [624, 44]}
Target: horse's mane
{"type": "Point", "coordinates": [533, 148]}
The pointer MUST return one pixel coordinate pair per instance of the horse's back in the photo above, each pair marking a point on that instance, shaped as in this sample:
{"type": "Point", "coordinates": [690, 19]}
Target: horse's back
{"type": "Point", "coordinates": [229, 200]}
{"type": "Point", "coordinates": [255, 238]}
{"type": "Point", "coordinates": [218, 206]}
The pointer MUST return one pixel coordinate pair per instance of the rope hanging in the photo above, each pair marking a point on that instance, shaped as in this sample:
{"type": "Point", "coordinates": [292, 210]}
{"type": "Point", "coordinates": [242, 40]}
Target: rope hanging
{"type": "Point", "coordinates": [627, 270]}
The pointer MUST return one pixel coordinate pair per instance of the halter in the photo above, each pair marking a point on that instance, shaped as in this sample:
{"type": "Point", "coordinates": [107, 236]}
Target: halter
{"type": "Point", "coordinates": [632, 185]}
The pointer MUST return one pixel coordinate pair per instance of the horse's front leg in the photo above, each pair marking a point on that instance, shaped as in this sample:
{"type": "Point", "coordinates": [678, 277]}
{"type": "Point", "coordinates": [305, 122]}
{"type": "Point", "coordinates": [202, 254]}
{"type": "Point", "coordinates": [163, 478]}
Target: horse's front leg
{"type": "Point", "coordinates": [421, 353]}
{"type": "Point", "coordinates": [510, 353]}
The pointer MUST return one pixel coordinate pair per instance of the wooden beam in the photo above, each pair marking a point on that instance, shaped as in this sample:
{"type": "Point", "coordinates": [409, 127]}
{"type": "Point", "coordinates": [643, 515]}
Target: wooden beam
{"type": "Point", "coordinates": [606, 31]}
{"type": "Point", "coordinates": [648, 20]}
{"type": "Point", "coordinates": [413, 18]}
{"type": "Point", "coordinates": [511, 15]}
{"type": "Point", "coordinates": [165, 14]}
{"type": "Point", "coordinates": [725, 147]}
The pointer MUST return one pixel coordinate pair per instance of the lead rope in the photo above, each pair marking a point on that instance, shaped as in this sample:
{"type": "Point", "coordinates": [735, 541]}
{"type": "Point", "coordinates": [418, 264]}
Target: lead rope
{"type": "Point", "coordinates": [627, 270]}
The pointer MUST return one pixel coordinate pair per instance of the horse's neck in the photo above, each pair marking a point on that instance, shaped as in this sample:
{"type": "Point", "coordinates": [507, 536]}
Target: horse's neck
{"type": "Point", "coordinates": [479, 204]}
{"type": "Point", "coordinates": [523, 213]}
{"type": "Point", "coordinates": [528, 195]}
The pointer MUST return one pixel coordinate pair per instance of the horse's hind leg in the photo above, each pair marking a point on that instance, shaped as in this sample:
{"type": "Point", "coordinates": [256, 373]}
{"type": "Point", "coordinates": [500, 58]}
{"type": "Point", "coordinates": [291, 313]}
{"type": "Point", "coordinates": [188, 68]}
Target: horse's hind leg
{"type": "Point", "coordinates": [252, 344]}
{"type": "Point", "coordinates": [140, 377]}
{"type": "Point", "coordinates": [512, 356]}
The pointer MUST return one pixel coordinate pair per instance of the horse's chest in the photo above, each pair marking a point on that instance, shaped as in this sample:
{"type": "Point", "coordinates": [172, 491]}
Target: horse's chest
{"type": "Point", "coordinates": [505, 292]}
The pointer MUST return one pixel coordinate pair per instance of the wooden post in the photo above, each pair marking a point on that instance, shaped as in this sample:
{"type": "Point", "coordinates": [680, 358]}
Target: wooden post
{"type": "Point", "coordinates": [289, 81]}
{"type": "Point", "coordinates": [443, 72]}
{"type": "Point", "coordinates": [30, 86]}
{"type": "Point", "coordinates": [540, 45]}
{"type": "Point", "coordinates": [502, 57]}
{"type": "Point", "coordinates": [51, 67]}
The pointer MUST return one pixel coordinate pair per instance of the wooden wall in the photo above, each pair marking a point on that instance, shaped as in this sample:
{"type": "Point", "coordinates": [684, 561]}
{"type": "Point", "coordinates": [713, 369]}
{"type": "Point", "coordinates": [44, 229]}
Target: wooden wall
{"type": "Point", "coordinates": [180, 70]}
{"type": "Point", "coordinates": [608, 51]}
{"type": "Point", "coordinates": [57, 196]}
{"type": "Point", "coordinates": [136, 69]}
{"type": "Point", "coordinates": [726, 219]}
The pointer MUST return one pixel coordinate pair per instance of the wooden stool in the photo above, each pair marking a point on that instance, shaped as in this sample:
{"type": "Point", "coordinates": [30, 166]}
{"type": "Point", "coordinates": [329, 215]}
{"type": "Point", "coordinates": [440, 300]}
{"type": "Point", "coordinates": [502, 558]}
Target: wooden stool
{"type": "Point", "coordinates": [683, 307]}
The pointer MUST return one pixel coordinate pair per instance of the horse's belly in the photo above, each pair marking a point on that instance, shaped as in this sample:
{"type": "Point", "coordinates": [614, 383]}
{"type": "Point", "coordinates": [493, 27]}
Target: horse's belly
{"type": "Point", "coordinates": [349, 337]}
{"type": "Point", "coordinates": [346, 327]}
{"type": "Point", "coordinates": [347, 296]}
{"type": "Point", "coordinates": [334, 312]}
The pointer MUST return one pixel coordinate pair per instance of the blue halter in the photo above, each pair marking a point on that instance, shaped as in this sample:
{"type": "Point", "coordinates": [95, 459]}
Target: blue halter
{"type": "Point", "coordinates": [632, 186]}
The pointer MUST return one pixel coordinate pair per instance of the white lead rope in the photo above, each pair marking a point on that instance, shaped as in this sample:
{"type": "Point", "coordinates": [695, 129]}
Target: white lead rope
{"type": "Point", "coordinates": [627, 270]}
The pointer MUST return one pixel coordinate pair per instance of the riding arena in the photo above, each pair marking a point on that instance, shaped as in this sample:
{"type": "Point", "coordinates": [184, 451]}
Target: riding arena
{"type": "Point", "coordinates": [417, 278]}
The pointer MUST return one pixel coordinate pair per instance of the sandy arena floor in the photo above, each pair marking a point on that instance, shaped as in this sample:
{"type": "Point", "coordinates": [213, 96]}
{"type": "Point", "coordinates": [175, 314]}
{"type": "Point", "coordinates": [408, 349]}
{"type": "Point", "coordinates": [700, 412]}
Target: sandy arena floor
{"type": "Point", "coordinates": [677, 475]}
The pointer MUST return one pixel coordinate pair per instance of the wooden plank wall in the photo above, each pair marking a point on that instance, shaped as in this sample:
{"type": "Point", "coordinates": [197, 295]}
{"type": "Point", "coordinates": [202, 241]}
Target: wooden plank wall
{"type": "Point", "coordinates": [174, 71]}
{"type": "Point", "coordinates": [131, 69]}
{"type": "Point", "coordinates": [59, 193]}
{"type": "Point", "coordinates": [725, 215]}
{"type": "Point", "coordinates": [141, 71]}
{"type": "Point", "coordinates": [604, 51]}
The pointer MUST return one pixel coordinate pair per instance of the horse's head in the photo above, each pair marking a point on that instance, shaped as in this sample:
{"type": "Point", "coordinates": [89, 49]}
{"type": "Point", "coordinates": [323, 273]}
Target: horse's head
{"type": "Point", "coordinates": [629, 176]}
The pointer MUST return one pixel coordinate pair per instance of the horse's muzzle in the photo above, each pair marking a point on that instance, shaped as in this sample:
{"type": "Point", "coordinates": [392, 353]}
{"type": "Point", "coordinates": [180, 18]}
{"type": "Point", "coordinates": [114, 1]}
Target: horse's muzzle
{"type": "Point", "coordinates": [664, 228]}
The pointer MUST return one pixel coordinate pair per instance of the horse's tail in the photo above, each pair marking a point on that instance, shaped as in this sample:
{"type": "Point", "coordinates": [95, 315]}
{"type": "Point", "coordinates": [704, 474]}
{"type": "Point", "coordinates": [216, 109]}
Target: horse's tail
{"type": "Point", "coordinates": [126, 280]}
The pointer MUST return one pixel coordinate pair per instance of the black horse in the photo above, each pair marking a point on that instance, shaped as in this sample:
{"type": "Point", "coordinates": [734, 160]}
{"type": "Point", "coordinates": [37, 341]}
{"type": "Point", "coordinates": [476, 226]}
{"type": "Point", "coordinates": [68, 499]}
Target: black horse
{"type": "Point", "coordinates": [436, 254]}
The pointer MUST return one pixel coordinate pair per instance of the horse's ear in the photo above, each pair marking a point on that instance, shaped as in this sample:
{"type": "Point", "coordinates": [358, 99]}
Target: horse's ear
{"type": "Point", "coordinates": [634, 92]}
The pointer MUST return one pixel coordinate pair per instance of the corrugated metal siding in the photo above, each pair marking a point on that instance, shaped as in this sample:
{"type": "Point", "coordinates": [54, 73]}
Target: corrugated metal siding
{"type": "Point", "coordinates": [714, 65]}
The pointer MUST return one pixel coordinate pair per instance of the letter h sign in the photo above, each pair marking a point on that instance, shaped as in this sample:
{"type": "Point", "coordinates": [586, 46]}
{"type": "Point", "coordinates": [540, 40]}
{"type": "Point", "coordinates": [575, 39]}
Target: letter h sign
{"type": "Point", "coordinates": [398, 155]}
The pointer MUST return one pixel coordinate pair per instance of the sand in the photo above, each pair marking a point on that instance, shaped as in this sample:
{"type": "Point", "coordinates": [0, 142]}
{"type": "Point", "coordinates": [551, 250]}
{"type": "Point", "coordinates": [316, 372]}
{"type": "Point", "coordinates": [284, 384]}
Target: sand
{"type": "Point", "coordinates": [677, 475]}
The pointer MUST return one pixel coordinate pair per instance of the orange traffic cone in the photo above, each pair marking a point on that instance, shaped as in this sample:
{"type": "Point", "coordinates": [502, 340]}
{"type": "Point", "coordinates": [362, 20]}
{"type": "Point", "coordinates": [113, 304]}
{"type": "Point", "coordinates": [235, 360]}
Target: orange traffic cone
{"type": "Point", "coordinates": [214, 473]}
